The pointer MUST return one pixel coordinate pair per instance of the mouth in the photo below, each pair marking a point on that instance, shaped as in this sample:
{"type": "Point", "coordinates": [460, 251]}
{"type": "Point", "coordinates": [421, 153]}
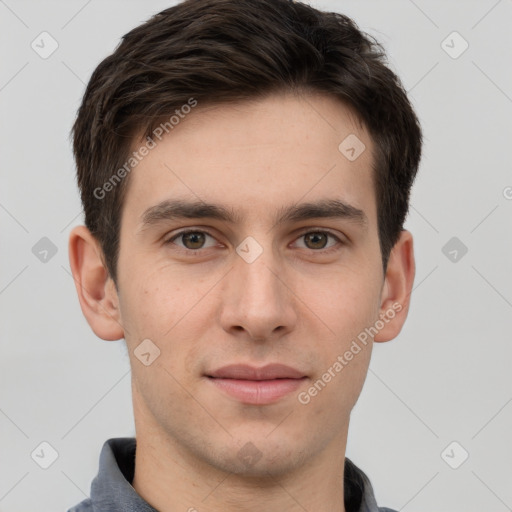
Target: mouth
{"type": "Point", "coordinates": [257, 386]}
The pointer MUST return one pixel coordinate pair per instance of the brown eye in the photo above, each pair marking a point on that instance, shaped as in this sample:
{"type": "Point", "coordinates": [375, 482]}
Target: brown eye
{"type": "Point", "coordinates": [191, 240]}
{"type": "Point", "coordinates": [318, 240]}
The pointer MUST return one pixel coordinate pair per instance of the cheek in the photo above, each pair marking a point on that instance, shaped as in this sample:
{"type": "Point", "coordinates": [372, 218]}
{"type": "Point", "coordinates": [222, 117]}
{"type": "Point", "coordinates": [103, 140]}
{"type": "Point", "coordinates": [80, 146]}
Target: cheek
{"type": "Point", "coordinates": [347, 304]}
{"type": "Point", "coordinates": [165, 307]}
{"type": "Point", "coordinates": [153, 302]}
{"type": "Point", "coordinates": [341, 375]}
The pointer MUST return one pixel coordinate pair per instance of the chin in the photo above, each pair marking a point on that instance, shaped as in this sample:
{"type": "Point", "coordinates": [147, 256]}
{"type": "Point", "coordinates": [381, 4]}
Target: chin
{"type": "Point", "coordinates": [247, 460]}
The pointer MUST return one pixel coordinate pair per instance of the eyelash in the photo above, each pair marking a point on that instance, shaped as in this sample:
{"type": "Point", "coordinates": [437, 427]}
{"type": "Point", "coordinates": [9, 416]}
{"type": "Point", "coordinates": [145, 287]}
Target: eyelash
{"type": "Point", "coordinates": [309, 231]}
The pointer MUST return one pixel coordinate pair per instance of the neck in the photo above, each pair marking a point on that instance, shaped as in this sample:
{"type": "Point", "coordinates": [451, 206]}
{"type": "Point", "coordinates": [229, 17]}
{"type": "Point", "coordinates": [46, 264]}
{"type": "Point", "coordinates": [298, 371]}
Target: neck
{"type": "Point", "coordinates": [171, 479]}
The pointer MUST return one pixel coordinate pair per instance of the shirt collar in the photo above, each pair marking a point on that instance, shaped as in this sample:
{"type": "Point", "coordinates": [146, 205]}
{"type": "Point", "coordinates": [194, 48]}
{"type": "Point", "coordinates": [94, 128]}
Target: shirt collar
{"type": "Point", "coordinates": [111, 489]}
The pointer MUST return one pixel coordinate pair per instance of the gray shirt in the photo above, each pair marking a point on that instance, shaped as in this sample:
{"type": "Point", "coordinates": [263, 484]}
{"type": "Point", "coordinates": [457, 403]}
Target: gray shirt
{"type": "Point", "coordinates": [111, 489]}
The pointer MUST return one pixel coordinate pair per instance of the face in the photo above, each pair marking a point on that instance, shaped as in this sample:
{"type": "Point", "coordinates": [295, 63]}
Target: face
{"type": "Point", "coordinates": [260, 280]}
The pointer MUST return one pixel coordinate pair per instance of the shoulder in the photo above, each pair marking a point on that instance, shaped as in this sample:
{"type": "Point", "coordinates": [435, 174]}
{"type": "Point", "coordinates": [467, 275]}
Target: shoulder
{"type": "Point", "coordinates": [83, 506]}
{"type": "Point", "coordinates": [359, 494]}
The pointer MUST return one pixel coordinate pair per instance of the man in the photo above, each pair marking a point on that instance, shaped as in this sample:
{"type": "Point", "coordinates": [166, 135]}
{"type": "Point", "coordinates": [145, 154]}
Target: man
{"type": "Point", "coordinates": [245, 169]}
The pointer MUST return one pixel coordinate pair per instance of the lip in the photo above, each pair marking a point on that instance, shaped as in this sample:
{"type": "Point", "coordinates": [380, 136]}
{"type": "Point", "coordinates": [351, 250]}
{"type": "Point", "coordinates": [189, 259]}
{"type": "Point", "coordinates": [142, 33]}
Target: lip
{"type": "Point", "coordinates": [257, 386]}
{"type": "Point", "coordinates": [247, 372]}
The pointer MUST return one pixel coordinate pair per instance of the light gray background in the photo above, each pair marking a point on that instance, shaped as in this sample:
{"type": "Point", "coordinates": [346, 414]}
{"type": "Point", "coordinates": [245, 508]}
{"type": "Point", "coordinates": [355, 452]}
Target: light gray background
{"type": "Point", "coordinates": [445, 378]}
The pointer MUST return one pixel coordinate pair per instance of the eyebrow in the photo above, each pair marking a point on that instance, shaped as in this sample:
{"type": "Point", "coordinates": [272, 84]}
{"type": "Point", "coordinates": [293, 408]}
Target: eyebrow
{"type": "Point", "coordinates": [185, 209]}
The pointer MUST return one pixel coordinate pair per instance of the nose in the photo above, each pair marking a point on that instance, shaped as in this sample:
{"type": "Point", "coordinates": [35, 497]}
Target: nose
{"type": "Point", "coordinates": [257, 301]}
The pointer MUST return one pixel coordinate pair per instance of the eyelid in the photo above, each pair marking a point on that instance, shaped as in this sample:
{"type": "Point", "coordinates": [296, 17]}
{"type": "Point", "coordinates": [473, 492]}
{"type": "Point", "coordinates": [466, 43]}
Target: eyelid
{"type": "Point", "coordinates": [313, 229]}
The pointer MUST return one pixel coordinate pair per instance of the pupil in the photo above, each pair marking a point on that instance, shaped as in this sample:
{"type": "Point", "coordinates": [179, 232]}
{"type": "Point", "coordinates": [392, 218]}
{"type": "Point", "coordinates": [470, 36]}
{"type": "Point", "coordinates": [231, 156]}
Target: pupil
{"type": "Point", "coordinates": [196, 239]}
{"type": "Point", "coordinates": [313, 235]}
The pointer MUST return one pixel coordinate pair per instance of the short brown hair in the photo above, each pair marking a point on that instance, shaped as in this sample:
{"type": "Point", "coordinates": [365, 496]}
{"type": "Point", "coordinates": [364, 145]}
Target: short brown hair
{"type": "Point", "coordinates": [223, 51]}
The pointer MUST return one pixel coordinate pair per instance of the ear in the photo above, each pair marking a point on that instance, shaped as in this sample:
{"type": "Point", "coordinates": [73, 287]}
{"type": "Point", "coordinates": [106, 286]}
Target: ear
{"type": "Point", "coordinates": [96, 289]}
{"type": "Point", "coordinates": [397, 288]}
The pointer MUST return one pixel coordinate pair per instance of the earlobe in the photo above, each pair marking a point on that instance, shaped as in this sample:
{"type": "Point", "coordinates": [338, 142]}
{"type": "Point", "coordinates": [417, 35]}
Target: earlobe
{"type": "Point", "coordinates": [96, 290]}
{"type": "Point", "coordinates": [397, 288]}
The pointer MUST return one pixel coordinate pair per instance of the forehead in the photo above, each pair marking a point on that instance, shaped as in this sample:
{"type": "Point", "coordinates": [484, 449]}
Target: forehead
{"type": "Point", "coordinates": [256, 156]}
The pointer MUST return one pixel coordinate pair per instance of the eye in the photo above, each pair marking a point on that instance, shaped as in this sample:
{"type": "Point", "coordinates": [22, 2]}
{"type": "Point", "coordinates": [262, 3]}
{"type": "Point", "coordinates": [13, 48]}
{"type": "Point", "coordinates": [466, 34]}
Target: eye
{"type": "Point", "coordinates": [318, 240]}
{"type": "Point", "coordinates": [192, 240]}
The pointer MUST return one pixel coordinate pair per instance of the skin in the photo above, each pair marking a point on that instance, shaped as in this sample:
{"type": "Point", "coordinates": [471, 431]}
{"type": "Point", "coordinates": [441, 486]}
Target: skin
{"type": "Point", "coordinates": [295, 304]}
